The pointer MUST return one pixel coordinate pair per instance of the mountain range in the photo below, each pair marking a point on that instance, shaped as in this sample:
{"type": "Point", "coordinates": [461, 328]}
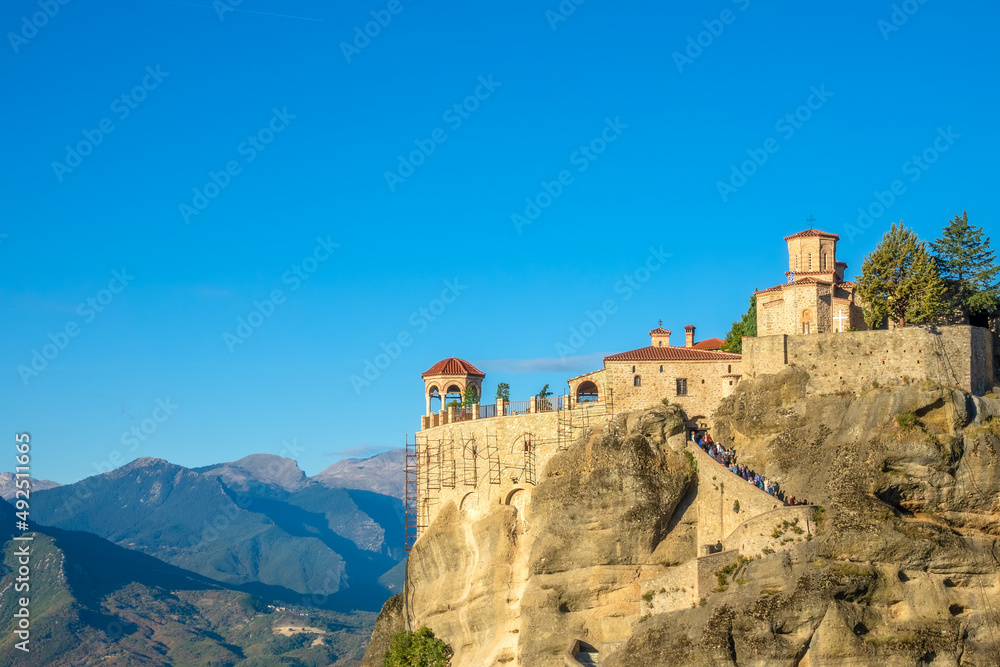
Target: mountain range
{"type": "Point", "coordinates": [155, 563]}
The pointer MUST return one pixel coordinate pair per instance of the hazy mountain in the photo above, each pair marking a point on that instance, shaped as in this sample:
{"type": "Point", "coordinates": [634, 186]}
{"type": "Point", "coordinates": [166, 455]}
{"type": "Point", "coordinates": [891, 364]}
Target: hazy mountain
{"type": "Point", "coordinates": [382, 473]}
{"type": "Point", "coordinates": [264, 468]}
{"type": "Point", "coordinates": [254, 520]}
{"type": "Point", "coordinates": [7, 486]}
{"type": "Point", "coordinates": [92, 602]}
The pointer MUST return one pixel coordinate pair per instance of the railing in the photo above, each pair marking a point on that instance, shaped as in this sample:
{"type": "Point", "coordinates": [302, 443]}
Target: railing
{"type": "Point", "coordinates": [487, 411]}
{"type": "Point", "coordinates": [550, 404]}
{"type": "Point", "coordinates": [463, 414]}
{"type": "Point", "coordinates": [517, 408]}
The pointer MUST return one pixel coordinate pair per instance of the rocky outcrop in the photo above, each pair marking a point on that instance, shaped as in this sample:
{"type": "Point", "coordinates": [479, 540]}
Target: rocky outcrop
{"type": "Point", "coordinates": [903, 567]}
{"type": "Point", "coordinates": [896, 565]}
{"type": "Point", "coordinates": [519, 584]}
{"type": "Point", "coordinates": [390, 621]}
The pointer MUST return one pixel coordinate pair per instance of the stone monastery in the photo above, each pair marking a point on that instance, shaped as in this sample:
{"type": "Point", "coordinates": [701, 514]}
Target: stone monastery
{"type": "Point", "coordinates": [488, 454]}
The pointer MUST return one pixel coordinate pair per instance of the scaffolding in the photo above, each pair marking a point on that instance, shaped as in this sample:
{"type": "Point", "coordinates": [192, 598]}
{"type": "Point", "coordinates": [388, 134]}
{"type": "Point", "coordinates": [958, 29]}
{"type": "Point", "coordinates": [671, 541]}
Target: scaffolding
{"type": "Point", "coordinates": [470, 454]}
{"type": "Point", "coordinates": [410, 528]}
{"type": "Point", "coordinates": [493, 458]}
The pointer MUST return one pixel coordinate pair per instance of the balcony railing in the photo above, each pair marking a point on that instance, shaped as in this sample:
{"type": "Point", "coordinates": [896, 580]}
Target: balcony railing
{"type": "Point", "coordinates": [517, 408]}
{"type": "Point", "coordinates": [487, 411]}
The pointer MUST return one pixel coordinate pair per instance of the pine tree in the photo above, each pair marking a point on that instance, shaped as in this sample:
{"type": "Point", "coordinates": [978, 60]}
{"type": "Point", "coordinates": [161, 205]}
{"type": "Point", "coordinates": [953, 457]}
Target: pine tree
{"type": "Point", "coordinates": [964, 259]}
{"type": "Point", "coordinates": [747, 326]}
{"type": "Point", "coordinates": [899, 281]}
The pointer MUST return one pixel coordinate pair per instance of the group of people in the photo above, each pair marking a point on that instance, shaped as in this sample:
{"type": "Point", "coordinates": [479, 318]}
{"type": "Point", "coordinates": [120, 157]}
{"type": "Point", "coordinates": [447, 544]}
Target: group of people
{"type": "Point", "coordinates": [727, 458]}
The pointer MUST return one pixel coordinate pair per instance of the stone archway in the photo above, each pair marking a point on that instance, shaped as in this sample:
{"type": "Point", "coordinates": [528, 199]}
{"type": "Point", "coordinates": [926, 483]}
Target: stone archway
{"type": "Point", "coordinates": [469, 505]}
{"type": "Point", "coordinates": [808, 326]}
{"type": "Point", "coordinates": [518, 498]}
{"type": "Point", "coordinates": [587, 392]}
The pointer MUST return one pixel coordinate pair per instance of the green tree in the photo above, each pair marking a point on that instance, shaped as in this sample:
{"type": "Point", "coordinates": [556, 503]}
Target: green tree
{"type": "Point", "coordinates": [543, 398]}
{"type": "Point", "coordinates": [964, 259]}
{"type": "Point", "coordinates": [747, 326]}
{"type": "Point", "coordinates": [503, 391]}
{"type": "Point", "coordinates": [417, 649]}
{"type": "Point", "coordinates": [469, 397]}
{"type": "Point", "coordinates": [899, 281]}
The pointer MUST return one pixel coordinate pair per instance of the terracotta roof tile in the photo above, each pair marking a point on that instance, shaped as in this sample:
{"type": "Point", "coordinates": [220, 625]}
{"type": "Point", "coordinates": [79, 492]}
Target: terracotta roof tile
{"type": "Point", "coordinates": [732, 375]}
{"type": "Point", "coordinates": [709, 344]}
{"type": "Point", "coordinates": [659, 330]}
{"type": "Point", "coordinates": [453, 366]}
{"type": "Point", "coordinates": [652, 353]}
{"type": "Point", "coordinates": [812, 232]}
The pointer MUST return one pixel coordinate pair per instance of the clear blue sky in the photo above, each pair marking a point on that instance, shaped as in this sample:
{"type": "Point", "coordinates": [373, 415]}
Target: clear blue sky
{"type": "Point", "coordinates": [323, 174]}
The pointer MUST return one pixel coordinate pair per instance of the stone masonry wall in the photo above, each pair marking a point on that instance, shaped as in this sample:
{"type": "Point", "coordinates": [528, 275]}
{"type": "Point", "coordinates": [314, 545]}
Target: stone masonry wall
{"type": "Point", "coordinates": [486, 462]}
{"type": "Point", "coordinates": [955, 356]}
{"type": "Point", "coordinates": [718, 491]}
{"type": "Point", "coordinates": [777, 530]}
{"type": "Point", "coordinates": [704, 384]}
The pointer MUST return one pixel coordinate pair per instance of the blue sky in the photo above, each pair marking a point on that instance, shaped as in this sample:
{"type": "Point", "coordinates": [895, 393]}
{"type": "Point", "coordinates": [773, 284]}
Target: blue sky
{"type": "Point", "coordinates": [292, 135]}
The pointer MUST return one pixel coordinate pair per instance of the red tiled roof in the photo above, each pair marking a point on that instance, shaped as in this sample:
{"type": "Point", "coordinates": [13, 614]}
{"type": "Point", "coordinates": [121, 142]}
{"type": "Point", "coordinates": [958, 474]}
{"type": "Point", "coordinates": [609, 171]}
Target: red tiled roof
{"type": "Point", "coordinates": [812, 232]}
{"type": "Point", "coordinates": [804, 281]}
{"type": "Point", "coordinates": [709, 344]}
{"type": "Point", "coordinates": [453, 366]}
{"type": "Point", "coordinates": [652, 353]}
{"type": "Point", "coordinates": [660, 330]}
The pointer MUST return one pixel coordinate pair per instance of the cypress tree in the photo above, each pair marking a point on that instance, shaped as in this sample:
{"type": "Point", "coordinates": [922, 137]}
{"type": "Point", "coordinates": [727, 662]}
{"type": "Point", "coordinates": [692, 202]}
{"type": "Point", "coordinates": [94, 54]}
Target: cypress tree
{"type": "Point", "coordinates": [899, 281]}
{"type": "Point", "coordinates": [964, 258]}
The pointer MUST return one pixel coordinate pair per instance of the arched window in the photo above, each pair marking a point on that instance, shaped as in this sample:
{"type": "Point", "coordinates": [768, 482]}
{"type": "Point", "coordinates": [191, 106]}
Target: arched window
{"type": "Point", "coordinates": [633, 369]}
{"type": "Point", "coordinates": [661, 343]}
{"type": "Point", "coordinates": [453, 394]}
{"type": "Point", "coordinates": [435, 395]}
{"type": "Point", "coordinates": [661, 369]}
{"type": "Point", "coordinates": [730, 369]}
{"type": "Point", "coordinates": [586, 392]}
{"type": "Point", "coordinates": [637, 381]}
{"type": "Point", "coordinates": [826, 259]}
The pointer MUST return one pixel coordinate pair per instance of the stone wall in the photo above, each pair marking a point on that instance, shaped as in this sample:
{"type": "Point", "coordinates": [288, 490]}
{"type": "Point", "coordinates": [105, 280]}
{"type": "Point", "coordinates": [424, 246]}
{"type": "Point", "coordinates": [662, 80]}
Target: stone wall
{"type": "Point", "coordinates": [675, 589]}
{"type": "Point", "coordinates": [486, 462]}
{"type": "Point", "coordinates": [956, 356]}
{"type": "Point", "coordinates": [777, 530]}
{"type": "Point", "coordinates": [718, 491]}
{"type": "Point", "coordinates": [658, 380]}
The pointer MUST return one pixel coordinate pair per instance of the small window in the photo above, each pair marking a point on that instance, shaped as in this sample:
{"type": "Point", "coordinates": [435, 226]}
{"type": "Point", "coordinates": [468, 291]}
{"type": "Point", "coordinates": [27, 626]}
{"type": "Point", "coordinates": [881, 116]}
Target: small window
{"type": "Point", "coordinates": [633, 369]}
{"type": "Point", "coordinates": [661, 343]}
{"type": "Point", "coordinates": [682, 387]}
{"type": "Point", "coordinates": [637, 381]}
{"type": "Point", "coordinates": [661, 369]}
{"type": "Point", "coordinates": [730, 369]}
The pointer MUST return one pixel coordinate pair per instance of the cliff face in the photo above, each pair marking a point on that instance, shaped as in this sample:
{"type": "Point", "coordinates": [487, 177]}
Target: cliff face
{"type": "Point", "coordinates": [898, 567]}
{"type": "Point", "coordinates": [903, 567]}
{"type": "Point", "coordinates": [519, 584]}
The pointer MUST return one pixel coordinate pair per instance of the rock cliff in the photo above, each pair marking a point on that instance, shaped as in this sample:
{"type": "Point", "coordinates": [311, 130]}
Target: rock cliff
{"type": "Point", "coordinates": [899, 565]}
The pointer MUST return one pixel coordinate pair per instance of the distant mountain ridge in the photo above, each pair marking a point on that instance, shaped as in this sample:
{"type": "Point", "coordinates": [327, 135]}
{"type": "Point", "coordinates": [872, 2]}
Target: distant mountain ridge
{"type": "Point", "coordinates": [8, 485]}
{"type": "Point", "coordinates": [255, 520]}
{"type": "Point", "coordinates": [382, 473]}
{"type": "Point", "coordinates": [93, 602]}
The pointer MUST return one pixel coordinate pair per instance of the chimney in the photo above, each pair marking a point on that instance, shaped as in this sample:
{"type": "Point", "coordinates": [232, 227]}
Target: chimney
{"type": "Point", "coordinates": [689, 335]}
